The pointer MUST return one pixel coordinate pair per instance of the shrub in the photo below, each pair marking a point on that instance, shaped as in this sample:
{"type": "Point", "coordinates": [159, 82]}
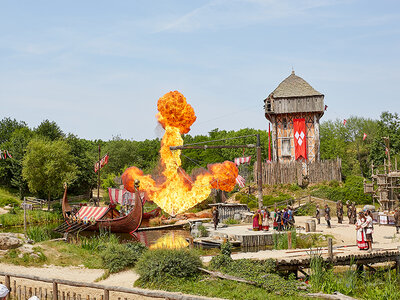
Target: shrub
{"type": "Point", "coordinates": [226, 248]}
{"type": "Point", "coordinates": [231, 221]}
{"type": "Point", "coordinates": [41, 233]}
{"type": "Point", "coordinates": [155, 265]}
{"type": "Point", "coordinates": [9, 201]}
{"type": "Point", "coordinates": [250, 200]}
{"type": "Point", "coordinates": [220, 261]}
{"type": "Point", "coordinates": [203, 231]}
{"type": "Point", "coordinates": [117, 257]}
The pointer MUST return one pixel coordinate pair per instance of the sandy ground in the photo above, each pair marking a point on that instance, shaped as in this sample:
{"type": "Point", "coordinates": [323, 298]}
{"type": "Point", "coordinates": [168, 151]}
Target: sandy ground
{"type": "Point", "coordinates": [385, 237]}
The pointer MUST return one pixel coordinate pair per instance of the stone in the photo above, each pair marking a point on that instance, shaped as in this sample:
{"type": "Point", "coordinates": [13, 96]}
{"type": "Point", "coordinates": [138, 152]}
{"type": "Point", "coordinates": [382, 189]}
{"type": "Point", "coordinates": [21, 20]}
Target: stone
{"type": "Point", "coordinates": [9, 241]}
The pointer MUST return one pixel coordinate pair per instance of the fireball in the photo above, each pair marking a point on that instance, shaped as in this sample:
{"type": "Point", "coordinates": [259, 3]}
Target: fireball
{"type": "Point", "coordinates": [178, 192]}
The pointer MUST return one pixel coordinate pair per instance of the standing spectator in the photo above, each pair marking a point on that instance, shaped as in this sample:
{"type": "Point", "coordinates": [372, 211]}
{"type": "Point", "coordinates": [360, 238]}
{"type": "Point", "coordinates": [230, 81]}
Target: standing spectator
{"type": "Point", "coordinates": [275, 224]}
{"type": "Point", "coordinates": [257, 221]}
{"type": "Point", "coordinates": [353, 213]}
{"type": "Point", "coordinates": [318, 214]}
{"type": "Point", "coordinates": [265, 221]}
{"type": "Point", "coordinates": [291, 217]}
{"type": "Point", "coordinates": [3, 292]}
{"type": "Point", "coordinates": [348, 205]}
{"type": "Point", "coordinates": [285, 219]}
{"type": "Point", "coordinates": [215, 214]}
{"type": "Point", "coordinates": [361, 238]}
{"type": "Point", "coordinates": [328, 215]}
{"type": "Point", "coordinates": [339, 211]}
{"type": "Point", "coordinates": [369, 229]}
{"type": "Point", "coordinates": [279, 219]}
{"type": "Point", "coordinates": [397, 219]}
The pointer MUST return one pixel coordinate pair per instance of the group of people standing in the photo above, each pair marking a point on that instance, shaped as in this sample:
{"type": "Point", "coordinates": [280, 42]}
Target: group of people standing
{"type": "Point", "coordinates": [364, 228]}
{"type": "Point", "coordinates": [282, 219]}
{"type": "Point", "coordinates": [364, 222]}
{"type": "Point", "coordinates": [261, 220]}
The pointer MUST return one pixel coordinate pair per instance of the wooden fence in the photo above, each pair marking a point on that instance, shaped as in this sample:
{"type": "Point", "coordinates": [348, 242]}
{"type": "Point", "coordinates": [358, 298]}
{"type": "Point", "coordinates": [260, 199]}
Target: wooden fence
{"type": "Point", "coordinates": [58, 289]}
{"type": "Point", "coordinates": [292, 172]}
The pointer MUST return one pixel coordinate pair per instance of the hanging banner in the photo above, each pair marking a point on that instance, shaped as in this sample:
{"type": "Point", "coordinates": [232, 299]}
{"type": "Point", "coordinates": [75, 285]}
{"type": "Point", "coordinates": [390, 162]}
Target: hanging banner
{"type": "Point", "coordinates": [300, 141]}
{"type": "Point", "coordinates": [100, 164]}
{"type": "Point", "coordinates": [242, 160]}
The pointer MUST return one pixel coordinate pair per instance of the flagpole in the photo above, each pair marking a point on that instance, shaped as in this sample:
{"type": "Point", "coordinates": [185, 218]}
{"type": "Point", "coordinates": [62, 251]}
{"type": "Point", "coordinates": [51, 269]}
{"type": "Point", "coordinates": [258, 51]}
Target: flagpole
{"type": "Point", "coordinates": [98, 181]}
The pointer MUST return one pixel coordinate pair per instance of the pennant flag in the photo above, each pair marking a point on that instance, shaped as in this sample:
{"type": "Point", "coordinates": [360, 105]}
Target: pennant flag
{"type": "Point", "coordinates": [242, 160]}
{"type": "Point", "coordinates": [344, 122]}
{"type": "Point", "coordinates": [326, 107]}
{"type": "Point", "coordinates": [100, 164]}
{"type": "Point", "coordinates": [299, 129]}
{"type": "Point", "coordinates": [365, 136]}
{"type": "Point", "coordinates": [386, 151]}
{"type": "Point", "coordinates": [9, 155]}
{"type": "Point", "coordinates": [1, 155]}
{"type": "Point", "coordinates": [240, 181]}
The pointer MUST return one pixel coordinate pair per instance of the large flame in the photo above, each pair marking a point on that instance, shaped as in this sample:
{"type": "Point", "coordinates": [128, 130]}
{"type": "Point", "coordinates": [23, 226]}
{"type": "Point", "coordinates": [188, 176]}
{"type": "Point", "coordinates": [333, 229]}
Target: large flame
{"type": "Point", "coordinates": [178, 192]}
{"type": "Point", "coordinates": [170, 241]}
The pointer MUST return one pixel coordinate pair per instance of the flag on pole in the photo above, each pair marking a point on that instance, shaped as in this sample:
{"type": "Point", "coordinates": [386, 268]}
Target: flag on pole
{"type": "Point", "coordinates": [365, 136]}
{"type": "Point", "coordinates": [386, 150]}
{"type": "Point", "coordinates": [326, 107]}
{"type": "Point", "coordinates": [344, 122]}
{"type": "Point", "coordinates": [240, 181]}
{"type": "Point", "coordinates": [100, 164]}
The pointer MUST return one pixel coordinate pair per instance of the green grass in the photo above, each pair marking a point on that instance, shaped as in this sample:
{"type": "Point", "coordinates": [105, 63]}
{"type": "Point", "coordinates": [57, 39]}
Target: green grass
{"type": "Point", "coordinates": [33, 217]}
{"type": "Point", "coordinates": [42, 233]}
{"type": "Point", "coordinates": [231, 221]}
{"type": "Point", "coordinates": [211, 287]}
{"type": "Point", "coordinates": [8, 196]}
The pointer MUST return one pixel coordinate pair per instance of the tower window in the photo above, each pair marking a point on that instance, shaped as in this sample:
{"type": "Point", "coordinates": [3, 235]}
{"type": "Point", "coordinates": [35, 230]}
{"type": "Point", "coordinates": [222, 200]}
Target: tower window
{"type": "Point", "coordinates": [268, 105]}
{"type": "Point", "coordinates": [286, 147]}
{"type": "Point", "coordinates": [284, 122]}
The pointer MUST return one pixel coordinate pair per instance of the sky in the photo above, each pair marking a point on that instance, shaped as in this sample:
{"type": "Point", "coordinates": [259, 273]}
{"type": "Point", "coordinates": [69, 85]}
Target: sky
{"type": "Point", "coordinates": [97, 68]}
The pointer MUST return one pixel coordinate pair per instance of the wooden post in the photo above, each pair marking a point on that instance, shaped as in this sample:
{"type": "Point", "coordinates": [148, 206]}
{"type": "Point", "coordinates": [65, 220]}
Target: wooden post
{"type": "Point", "coordinates": [25, 218]}
{"type": "Point", "coordinates": [330, 248]}
{"type": "Point", "coordinates": [106, 294]}
{"type": "Point", "coordinates": [15, 289]}
{"type": "Point", "coordinates": [55, 290]}
{"type": "Point", "coordinates": [97, 203]}
{"type": "Point", "coordinates": [289, 240]}
{"type": "Point", "coordinates": [309, 198]}
{"type": "Point", "coordinates": [259, 173]}
{"type": "Point", "coordinates": [7, 284]}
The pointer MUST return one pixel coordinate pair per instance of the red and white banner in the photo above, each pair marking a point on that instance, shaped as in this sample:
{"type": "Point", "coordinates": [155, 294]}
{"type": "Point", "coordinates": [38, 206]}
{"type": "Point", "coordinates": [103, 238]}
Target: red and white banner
{"type": "Point", "coordinates": [100, 164]}
{"type": "Point", "coordinates": [4, 154]}
{"type": "Point", "coordinates": [91, 213]}
{"type": "Point", "coordinates": [240, 181]}
{"type": "Point", "coordinates": [364, 136]}
{"type": "Point", "coordinates": [242, 160]}
{"type": "Point", "coordinates": [300, 139]}
{"type": "Point", "coordinates": [344, 122]}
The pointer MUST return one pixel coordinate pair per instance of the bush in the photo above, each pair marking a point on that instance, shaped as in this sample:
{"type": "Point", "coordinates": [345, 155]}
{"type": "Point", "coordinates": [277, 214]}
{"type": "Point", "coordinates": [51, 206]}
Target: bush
{"type": "Point", "coordinates": [9, 201]}
{"type": "Point", "coordinates": [231, 221]}
{"type": "Point", "coordinates": [226, 248]}
{"type": "Point", "coordinates": [156, 265]}
{"type": "Point", "coordinates": [203, 231]}
{"type": "Point", "coordinates": [41, 233]}
{"type": "Point", "coordinates": [250, 200]}
{"type": "Point", "coordinates": [117, 257]}
{"type": "Point", "coordinates": [220, 261]}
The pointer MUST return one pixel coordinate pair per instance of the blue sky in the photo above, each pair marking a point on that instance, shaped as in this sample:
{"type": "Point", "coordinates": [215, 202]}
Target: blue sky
{"type": "Point", "coordinates": [97, 68]}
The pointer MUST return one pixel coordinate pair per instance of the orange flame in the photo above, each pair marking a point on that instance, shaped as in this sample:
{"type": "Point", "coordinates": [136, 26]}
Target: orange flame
{"type": "Point", "coordinates": [178, 193]}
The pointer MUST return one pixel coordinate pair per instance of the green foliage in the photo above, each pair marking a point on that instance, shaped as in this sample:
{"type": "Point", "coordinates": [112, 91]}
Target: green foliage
{"type": "Point", "coordinates": [98, 242]}
{"type": "Point", "coordinates": [109, 182]}
{"type": "Point", "coordinates": [308, 209]}
{"type": "Point", "coordinates": [219, 261]}
{"type": "Point", "coordinates": [117, 257]}
{"type": "Point", "coordinates": [226, 248]}
{"type": "Point", "coordinates": [14, 256]}
{"type": "Point", "coordinates": [352, 190]}
{"type": "Point", "coordinates": [49, 130]}
{"type": "Point", "coordinates": [269, 200]}
{"type": "Point", "coordinates": [383, 284]}
{"type": "Point", "coordinates": [33, 217]}
{"type": "Point", "coordinates": [231, 221]}
{"type": "Point", "coordinates": [9, 201]}
{"type": "Point", "coordinates": [203, 231]}
{"type": "Point", "coordinates": [212, 287]}
{"type": "Point", "coordinates": [159, 264]}
{"type": "Point", "coordinates": [47, 165]}
{"type": "Point", "coordinates": [250, 200]}
{"type": "Point", "coordinates": [41, 233]}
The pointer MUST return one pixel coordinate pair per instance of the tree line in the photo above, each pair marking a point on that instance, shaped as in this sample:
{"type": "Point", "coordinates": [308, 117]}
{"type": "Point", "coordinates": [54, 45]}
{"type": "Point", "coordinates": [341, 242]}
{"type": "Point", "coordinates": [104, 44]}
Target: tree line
{"type": "Point", "coordinates": [44, 157]}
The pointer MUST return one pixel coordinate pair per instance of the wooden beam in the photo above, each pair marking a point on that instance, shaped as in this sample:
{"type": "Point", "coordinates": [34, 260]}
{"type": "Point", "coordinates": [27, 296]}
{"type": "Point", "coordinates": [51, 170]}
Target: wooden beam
{"type": "Point", "coordinates": [204, 147]}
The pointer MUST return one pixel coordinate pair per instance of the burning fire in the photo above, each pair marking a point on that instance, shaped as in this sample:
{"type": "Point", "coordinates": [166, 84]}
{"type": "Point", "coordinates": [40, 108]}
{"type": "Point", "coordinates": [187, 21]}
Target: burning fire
{"type": "Point", "coordinates": [178, 191]}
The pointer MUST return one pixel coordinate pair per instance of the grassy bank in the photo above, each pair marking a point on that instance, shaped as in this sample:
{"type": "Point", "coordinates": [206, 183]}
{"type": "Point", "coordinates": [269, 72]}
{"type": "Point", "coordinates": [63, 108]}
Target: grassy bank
{"type": "Point", "coordinates": [33, 217]}
{"type": "Point", "coordinates": [8, 197]}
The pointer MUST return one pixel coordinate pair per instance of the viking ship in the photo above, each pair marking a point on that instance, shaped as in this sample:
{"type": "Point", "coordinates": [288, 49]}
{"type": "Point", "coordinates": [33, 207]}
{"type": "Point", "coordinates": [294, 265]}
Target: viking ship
{"type": "Point", "coordinates": [96, 218]}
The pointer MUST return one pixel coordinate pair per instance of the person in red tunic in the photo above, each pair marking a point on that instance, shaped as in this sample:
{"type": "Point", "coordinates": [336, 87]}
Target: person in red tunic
{"type": "Point", "coordinates": [257, 221]}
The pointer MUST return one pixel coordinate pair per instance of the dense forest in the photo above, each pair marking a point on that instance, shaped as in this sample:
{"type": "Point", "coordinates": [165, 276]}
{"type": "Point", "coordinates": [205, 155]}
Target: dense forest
{"type": "Point", "coordinates": [44, 157]}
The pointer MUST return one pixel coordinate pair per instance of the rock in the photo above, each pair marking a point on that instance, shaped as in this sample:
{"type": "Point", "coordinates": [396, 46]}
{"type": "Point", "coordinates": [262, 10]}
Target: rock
{"type": "Point", "coordinates": [9, 241]}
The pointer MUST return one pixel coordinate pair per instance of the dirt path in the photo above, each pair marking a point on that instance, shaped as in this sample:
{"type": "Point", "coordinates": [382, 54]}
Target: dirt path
{"type": "Point", "coordinates": [122, 279]}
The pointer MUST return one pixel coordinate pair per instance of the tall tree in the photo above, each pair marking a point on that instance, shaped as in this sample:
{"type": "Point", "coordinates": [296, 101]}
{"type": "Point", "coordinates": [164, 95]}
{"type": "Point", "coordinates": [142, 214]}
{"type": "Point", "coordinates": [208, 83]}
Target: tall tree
{"type": "Point", "coordinates": [47, 165]}
{"type": "Point", "coordinates": [7, 127]}
{"type": "Point", "coordinates": [49, 130]}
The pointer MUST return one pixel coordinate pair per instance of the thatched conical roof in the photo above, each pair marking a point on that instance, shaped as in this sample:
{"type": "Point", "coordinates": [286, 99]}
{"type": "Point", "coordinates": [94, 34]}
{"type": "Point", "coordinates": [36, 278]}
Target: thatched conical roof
{"type": "Point", "coordinates": [294, 86]}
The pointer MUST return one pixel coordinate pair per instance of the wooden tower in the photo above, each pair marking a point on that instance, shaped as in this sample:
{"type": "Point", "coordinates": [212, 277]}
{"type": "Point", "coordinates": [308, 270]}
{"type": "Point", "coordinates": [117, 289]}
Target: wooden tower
{"type": "Point", "coordinates": [293, 100]}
